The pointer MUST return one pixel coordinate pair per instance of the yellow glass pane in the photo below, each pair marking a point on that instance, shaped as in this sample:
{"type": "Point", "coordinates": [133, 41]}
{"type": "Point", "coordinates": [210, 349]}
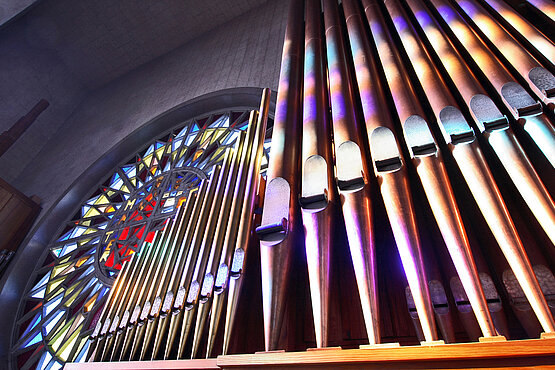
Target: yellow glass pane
{"type": "Point", "coordinates": [147, 160]}
{"type": "Point", "coordinates": [218, 135]}
{"type": "Point", "coordinates": [207, 135]}
{"type": "Point", "coordinates": [90, 231]}
{"type": "Point", "coordinates": [64, 352]}
{"type": "Point", "coordinates": [72, 299]}
{"type": "Point", "coordinates": [160, 152]}
{"type": "Point", "coordinates": [102, 200]}
{"type": "Point", "coordinates": [59, 268]}
{"type": "Point", "coordinates": [90, 303]}
{"type": "Point", "coordinates": [54, 284]}
{"type": "Point", "coordinates": [58, 338]}
{"type": "Point", "coordinates": [125, 189]}
{"type": "Point", "coordinates": [92, 212]}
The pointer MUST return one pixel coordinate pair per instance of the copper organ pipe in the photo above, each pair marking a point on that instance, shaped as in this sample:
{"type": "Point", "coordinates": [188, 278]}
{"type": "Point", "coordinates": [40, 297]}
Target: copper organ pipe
{"type": "Point", "coordinates": [537, 43]}
{"type": "Point", "coordinates": [539, 79]}
{"type": "Point", "coordinates": [317, 184]}
{"type": "Point", "coordinates": [545, 6]}
{"type": "Point", "coordinates": [389, 165]}
{"type": "Point", "coordinates": [523, 104]}
{"type": "Point", "coordinates": [279, 232]}
{"type": "Point", "coordinates": [525, 108]}
{"type": "Point", "coordinates": [437, 186]}
{"type": "Point", "coordinates": [429, 164]}
{"type": "Point", "coordinates": [352, 172]}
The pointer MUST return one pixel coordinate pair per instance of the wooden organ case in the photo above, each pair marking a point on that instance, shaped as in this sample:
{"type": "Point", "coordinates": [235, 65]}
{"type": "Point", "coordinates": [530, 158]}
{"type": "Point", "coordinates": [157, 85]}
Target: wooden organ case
{"type": "Point", "coordinates": [406, 220]}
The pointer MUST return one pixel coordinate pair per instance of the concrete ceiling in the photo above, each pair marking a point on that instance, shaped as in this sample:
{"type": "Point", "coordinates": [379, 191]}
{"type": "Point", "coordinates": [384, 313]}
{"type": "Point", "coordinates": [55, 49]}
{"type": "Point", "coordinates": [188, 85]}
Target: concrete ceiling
{"type": "Point", "coordinates": [101, 40]}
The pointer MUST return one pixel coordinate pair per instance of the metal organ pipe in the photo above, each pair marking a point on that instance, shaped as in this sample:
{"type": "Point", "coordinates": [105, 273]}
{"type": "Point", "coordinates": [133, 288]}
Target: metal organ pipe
{"type": "Point", "coordinates": [523, 105]}
{"type": "Point", "coordinates": [537, 43]}
{"type": "Point", "coordinates": [318, 194]}
{"type": "Point", "coordinates": [390, 169]}
{"type": "Point", "coordinates": [456, 132]}
{"type": "Point", "coordinates": [352, 172]}
{"type": "Point", "coordinates": [279, 232]}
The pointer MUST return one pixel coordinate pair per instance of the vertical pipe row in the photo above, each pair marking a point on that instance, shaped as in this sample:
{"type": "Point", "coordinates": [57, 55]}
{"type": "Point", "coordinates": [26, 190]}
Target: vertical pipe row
{"type": "Point", "coordinates": [279, 232]}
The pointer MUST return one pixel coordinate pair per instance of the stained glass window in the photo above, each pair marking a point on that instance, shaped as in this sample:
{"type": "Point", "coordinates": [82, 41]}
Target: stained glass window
{"type": "Point", "coordinates": [111, 224]}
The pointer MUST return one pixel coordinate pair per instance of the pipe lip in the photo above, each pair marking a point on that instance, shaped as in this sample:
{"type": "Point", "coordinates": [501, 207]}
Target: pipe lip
{"type": "Point", "coordinates": [273, 232]}
{"type": "Point", "coordinates": [314, 203]}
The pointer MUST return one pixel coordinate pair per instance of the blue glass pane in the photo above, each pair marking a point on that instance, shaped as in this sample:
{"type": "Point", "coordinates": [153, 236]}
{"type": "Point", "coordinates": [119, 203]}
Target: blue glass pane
{"type": "Point", "coordinates": [34, 340]}
{"type": "Point", "coordinates": [52, 304]}
{"type": "Point", "coordinates": [32, 325]}
{"type": "Point", "coordinates": [52, 322]}
{"type": "Point", "coordinates": [44, 360]}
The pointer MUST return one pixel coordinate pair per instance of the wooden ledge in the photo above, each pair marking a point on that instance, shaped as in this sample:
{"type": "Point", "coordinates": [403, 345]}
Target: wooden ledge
{"type": "Point", "coordinates": [140, 365]}
{"type": "Point", "coordinates": [531, 353]}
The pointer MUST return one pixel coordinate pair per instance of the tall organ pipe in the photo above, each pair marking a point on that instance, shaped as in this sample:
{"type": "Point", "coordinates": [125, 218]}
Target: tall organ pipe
{"type": "Point", "coordinates": [244, 231]}
{"type": "Point", "coordinates": [545, 6]}
{"type": "Point", "coordinates": [389, 166]}
{"type": "Point", "coordinates": [537, 43]}
{"type": "Point", "coordinates": [493, 126]}
{"type": "Point", "coordinates": [353, 171]}
{"type": "Point", "coordinates": [279, 232]}
{"type": "Point", "coordinates": [179, 289]}
{"type": "Point", "coordinates": [217, 242]}
{"type": "Point", "coordinates": [539, 79]}
{"type": "Point", "coordinates": [317, 184]}
{"type": "Point", "coordinates": [437, 186]}
{"type": "Point", "coordinates": [506, 235]}
{"type": "Point", "coordinates": [524, 107]}
{"type": "Point", "coordinates": [428, 161]}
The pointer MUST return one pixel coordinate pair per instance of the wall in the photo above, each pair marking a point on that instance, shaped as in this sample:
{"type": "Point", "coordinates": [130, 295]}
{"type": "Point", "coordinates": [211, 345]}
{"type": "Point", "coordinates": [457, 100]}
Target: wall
{"type": "Point", "coordinates": [245, 52]}
{"type": "Point", "coordinates": [29, 72]}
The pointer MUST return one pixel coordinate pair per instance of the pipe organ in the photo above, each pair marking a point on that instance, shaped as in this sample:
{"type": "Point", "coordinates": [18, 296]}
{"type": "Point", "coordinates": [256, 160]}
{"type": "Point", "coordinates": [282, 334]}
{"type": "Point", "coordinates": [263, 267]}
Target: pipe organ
{"type": "Point", "coordinates": [416, 134]}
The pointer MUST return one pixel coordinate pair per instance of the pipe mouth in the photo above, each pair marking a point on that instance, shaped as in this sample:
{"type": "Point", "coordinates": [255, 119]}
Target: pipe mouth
{"type": "Point", "coordinates": [389, 165]}
{"type": "Point", "coordinates": [463, 306]}
{"type": "Point", "coordinates": [237, 263]}
{"type": "Point", "coordinates": [273, 232]}
{"type": "Point", "coordinates": [531, 110]}
{"type": "Point", "coordinates": [314, 203]}
{"type": "Point", "coordinates": [464, 138]}
{"type": "Point", "coordinates": [351, 185]}
{"type": "Point", "coordinates": [424, 150]}
{"type": "Point", "coordinates": [499, 124]}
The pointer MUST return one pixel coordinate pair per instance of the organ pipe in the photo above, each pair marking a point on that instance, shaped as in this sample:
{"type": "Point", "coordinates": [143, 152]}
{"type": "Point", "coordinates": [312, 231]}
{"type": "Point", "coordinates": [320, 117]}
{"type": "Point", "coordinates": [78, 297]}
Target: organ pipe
{"type": "Point", "coordinates": [318, 195]}
{"type": "Point", "coordinates": [279, 232]}
{"type": "Point", "coordinates": [352, 172]}
{"type": "Point", "coordinates": [437, 187]}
